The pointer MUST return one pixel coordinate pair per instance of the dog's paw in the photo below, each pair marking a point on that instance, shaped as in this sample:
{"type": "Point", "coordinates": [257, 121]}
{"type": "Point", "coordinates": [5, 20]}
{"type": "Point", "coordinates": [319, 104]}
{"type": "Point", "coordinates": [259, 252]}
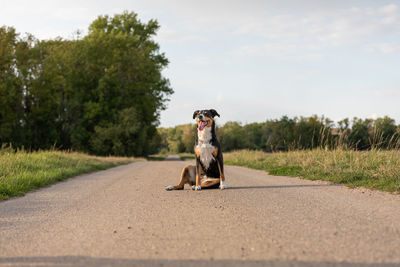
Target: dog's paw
{"type": "Point", "coordinates": [193, 187]}
{"type": "Point", "coordinates": [169, 188]}
{"type": "Point", "coordinates": [223, 186]}
{"type": "Point", "coordinates": [198, 188]}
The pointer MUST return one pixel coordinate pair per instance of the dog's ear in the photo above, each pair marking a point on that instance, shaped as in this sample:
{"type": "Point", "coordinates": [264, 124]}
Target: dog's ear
{"type": "Point", "coordinates": [214, 113]}
{"type": "Point", "coordinates": [196, 113]}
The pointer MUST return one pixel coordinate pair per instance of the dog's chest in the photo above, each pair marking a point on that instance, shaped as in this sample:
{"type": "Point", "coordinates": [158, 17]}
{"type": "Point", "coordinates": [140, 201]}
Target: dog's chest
{"type": "Point", "coordinates": [206, 156]}
{"type": "Point", "coordinates": [204, 147]}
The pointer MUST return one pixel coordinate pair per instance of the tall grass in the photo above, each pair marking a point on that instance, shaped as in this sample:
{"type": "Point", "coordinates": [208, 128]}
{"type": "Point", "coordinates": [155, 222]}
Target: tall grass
{"type": "Point", "coordinates": [324, 139]}
{"type": "Point", "coordinates": [22, 171]}
{"type": "Point", "coordinates": [374, 168]}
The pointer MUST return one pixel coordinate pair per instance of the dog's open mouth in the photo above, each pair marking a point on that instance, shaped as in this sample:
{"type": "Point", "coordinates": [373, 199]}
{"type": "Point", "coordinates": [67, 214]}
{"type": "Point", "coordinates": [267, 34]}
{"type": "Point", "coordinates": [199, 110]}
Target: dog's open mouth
{"type": "Point", "coordinates": [202, 125]}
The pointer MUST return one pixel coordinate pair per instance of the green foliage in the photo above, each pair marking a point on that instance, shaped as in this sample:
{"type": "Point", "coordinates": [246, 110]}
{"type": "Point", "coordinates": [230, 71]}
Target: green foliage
{"type": "Point", "coordinates": [231, 136]}
{"type": "Point", "coordinates": [177, 139]}
{"type": "Point", "coordinates": [288, 134]}
{"type": "Point", "coordinates": [102, 93]}
{"type": "Point", "coordinates": [122, 138]}
{"type": "Point", "coordinates": [11, 91]}
{"type": "Point", "coordinates": [359, 135]}
{"type": "Point", "coordinates": [385, 132]}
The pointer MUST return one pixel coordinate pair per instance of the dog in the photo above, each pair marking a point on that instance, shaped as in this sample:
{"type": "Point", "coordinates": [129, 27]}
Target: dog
{"type": "Point", "coordinates": [209, 169]}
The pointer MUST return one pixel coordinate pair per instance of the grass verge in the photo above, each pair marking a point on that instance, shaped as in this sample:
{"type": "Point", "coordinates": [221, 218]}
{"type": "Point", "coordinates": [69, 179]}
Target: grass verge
{"type": "Point", "coordinates": [186, 156]}
{"type": "Point", "coordinates": [21, 171]}
{"type": "Point", "coordinates": [376, 169]}
{"type": "Point", "coordinates": [156, 157]}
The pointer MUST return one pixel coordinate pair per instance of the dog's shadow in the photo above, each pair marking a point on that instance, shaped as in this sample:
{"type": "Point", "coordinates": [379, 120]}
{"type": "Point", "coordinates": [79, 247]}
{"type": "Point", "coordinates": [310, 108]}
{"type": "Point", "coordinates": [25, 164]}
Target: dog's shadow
{"type": "Point", "coordinates": [279, 186]}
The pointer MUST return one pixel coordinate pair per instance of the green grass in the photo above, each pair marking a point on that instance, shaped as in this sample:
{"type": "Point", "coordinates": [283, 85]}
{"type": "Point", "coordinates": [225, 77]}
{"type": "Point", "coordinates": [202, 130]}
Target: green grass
{"type": "Point", "coordinates": [156, 157]}
{"type": "Point", "coordinates": [376, 169]}
{"type": "Point", "coordinates": [162, 155]}
{"type": "Point", "coordinates": [186, 156]}
{"type": "Point", "coordinates": [21, 171]}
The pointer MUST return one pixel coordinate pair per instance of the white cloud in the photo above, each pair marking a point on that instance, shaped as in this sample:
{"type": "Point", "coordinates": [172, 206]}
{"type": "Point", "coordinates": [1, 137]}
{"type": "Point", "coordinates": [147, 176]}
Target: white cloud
{"type": "Point", "coordinates": [168, 35]}
{"type": "Point", "coordinates": [338, 27]}
{"type": "Point", "coordinates": [305, 75]}
{"type": "Point", "coordinates": [280, 51]}
{"type": "Point", "coordinates": [220, 97]}
{"type": "Point", "coordinates": [319, 26]}
{"type": "Point", "coordinates": [385, 48]}
{"type": "Point", "coordinates": [198, 61]}
{"type": "Point", "coordinates": [390, 92]}
{"type": "Point", "coordinates": [388, 9]}
{"type": "Point", "coordinates": [269, 50]}
{"type": "Point", "coordinates": [307, 36]}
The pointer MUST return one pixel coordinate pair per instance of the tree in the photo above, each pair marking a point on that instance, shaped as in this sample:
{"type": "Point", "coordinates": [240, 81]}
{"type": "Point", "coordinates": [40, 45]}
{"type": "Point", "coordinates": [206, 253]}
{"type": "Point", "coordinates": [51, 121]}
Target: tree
{"type": "Point", "coordinates": [359, 137]}
{"type": "Point", "coordinates": [291, 133]}
{"type": "Point", "coordinates": [102, 93]}
{"type": "Point", "coordinates": [385, 134]}
{"type": "Point", "coordinates": [231, 136]}
{"type": "Point", "coordinates": [127, 74]}
{"type": "Point", "coordinates": [11, 93]}
{"type": "Point", "coordinates": [280, 134]}
{"type": "Point", "coordinates": [188, 136]}
{"type": "Point", "coordinates": [253, 135]}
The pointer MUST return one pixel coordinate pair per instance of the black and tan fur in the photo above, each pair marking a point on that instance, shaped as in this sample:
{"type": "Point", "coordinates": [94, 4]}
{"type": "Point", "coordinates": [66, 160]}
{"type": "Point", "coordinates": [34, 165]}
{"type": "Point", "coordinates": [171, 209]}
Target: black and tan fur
{"type": "Point", "coordinates": [209, 169]}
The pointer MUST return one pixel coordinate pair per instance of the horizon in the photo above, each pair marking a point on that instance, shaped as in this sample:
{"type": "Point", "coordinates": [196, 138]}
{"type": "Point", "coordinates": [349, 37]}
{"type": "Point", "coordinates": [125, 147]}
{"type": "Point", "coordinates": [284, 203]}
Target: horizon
{"type": "Point", "coordinates": [218, 124]}
{"type": "Point", "coordinates": [254, 61]}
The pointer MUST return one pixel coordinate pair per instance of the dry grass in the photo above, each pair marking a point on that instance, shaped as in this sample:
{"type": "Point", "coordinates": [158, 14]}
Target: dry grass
{"type": "Point", "coordinates": [377, 169]}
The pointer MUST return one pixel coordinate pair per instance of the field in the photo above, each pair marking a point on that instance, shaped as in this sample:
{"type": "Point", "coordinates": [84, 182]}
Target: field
{"type": "Point", "coordinates": [21, 171]}
{"type": "Point", "coordinates": [378, 169]}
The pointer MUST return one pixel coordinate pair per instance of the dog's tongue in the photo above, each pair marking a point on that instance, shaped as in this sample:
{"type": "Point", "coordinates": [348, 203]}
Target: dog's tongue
{"type": "Point", "coordinates": [202, 125]}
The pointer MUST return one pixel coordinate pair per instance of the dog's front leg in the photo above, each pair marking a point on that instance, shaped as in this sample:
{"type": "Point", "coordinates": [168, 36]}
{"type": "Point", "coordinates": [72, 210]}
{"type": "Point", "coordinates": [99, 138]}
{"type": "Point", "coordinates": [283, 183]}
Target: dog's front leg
{"type": "Point", "coordinates": [222, 184]}
{"type": "Point", "coordinates": [198, 172]}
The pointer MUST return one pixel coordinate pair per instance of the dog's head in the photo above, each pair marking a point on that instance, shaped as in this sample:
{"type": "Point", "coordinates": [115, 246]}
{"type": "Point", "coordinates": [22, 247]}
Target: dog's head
{"type": "Point", "coordinates": [205, 118]}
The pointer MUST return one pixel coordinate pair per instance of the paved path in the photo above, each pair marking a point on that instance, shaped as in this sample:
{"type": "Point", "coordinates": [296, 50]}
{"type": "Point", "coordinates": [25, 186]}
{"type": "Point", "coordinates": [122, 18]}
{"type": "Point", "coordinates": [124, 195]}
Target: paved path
{"type": "Point", "coordinates": [124, 217]}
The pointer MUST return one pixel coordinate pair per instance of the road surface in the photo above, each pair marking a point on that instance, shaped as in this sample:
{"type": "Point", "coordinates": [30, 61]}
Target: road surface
{"type": "Point", "coordinates": [124, 217]}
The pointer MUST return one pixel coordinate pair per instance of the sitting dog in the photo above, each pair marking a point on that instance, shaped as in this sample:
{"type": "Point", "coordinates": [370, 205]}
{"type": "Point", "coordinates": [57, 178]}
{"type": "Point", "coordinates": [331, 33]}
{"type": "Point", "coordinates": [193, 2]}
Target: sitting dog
{"type": "Point", "coordinates": [209, 169]}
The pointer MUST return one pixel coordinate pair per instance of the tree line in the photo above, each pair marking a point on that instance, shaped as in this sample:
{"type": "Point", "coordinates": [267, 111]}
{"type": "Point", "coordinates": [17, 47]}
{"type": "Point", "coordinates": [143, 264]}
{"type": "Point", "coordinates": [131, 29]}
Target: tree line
{"type": "Point", "coordinates": [286, 134]}
{"type": "Point", "coordinates": [101, 93]}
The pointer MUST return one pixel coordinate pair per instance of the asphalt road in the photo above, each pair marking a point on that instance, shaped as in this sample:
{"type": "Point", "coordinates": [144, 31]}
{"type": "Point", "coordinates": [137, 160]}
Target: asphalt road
{"type": "Point", "coordinates": [124, 217]}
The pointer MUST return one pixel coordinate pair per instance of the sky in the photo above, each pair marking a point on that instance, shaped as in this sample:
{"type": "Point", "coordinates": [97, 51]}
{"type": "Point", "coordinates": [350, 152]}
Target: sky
{"type": "Point", "coordinates": [254, 60]}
